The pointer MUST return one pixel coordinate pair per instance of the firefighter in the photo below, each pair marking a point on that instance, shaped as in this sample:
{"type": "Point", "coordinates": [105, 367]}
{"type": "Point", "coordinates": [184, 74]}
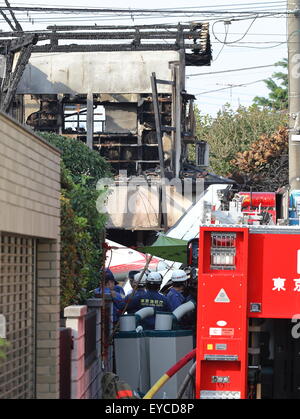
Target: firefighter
{"type": "Point", "coordinates": [138, 284]}
{"type": "Point", "coordinates": [110, 285]}
{"type": "Point", "coordinates": [150, 298]}
{"type": "Point", "coordinates": [175, 295]}
{"type": "Point", "coordinates": [131, 276]}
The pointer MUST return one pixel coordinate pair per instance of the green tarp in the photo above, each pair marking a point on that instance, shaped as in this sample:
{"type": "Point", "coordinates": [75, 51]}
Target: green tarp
{"type": "Point", "coordinates": [167, 248]}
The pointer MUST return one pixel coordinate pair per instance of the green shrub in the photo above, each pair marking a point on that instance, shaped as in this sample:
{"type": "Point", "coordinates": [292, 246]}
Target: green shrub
{"type": "Point", "coordinates": [82, 226]}
{"type": "Point", "coordinates": [79, 159]}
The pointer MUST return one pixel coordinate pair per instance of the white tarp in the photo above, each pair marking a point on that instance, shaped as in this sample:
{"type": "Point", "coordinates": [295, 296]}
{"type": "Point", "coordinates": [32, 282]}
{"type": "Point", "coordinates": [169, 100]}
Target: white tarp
{"type": "Point", "coordinates": [121, 259]}
{"type": "Point", "coordinates": [187, 227]}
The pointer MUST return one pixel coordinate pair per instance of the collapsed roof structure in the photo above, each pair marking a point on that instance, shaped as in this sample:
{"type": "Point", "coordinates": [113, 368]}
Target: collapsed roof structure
{"type": "Point", "coordinates": [121, 90]}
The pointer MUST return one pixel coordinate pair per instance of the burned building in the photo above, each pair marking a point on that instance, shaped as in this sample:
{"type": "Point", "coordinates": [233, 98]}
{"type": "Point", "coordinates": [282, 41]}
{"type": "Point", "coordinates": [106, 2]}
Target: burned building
{"type": "Point", "coordinates": [124, 95]}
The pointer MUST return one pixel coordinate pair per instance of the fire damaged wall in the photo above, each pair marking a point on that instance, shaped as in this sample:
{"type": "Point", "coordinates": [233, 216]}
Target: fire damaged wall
{"type": "Point", "coordinates": [124, 125]}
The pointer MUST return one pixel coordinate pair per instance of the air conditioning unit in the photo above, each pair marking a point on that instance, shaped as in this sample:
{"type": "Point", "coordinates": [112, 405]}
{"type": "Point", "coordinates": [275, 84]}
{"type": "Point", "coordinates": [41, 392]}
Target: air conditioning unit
{"type": "Point", "coordinates": [202, 154]}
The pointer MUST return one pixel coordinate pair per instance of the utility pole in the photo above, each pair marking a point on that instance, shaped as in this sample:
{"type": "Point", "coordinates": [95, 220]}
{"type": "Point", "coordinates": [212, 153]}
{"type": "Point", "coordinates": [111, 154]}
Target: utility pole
{"type": "Point", "coordinates": [293, 25]}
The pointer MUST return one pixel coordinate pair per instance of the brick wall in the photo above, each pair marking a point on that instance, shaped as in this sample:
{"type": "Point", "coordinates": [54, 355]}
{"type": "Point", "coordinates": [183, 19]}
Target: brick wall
{"type": "Point", "coordinates": [47, 320]}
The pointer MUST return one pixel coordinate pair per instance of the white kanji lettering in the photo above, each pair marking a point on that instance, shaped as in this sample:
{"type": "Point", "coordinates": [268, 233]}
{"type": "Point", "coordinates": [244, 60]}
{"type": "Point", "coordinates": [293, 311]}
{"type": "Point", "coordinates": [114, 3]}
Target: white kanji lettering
{"type": "Point", "coordinates": [297, 284]}
{"type": "Point", "coordinates": [278, 284]}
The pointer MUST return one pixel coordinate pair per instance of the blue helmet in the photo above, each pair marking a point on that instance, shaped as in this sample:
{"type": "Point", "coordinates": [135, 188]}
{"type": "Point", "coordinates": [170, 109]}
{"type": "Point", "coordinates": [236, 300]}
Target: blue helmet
{"type": "Point", "coordinates": [109, 276]}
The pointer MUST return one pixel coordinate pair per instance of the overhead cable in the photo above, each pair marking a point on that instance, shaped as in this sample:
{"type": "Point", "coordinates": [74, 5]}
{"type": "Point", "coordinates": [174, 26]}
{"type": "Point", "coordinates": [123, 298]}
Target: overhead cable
{"type": "Point", "coordinates": [229, 71]}
{"type": "Point", "coordinates": [131, 11]}
{"type": "Point", "coordinates": [228, 87]}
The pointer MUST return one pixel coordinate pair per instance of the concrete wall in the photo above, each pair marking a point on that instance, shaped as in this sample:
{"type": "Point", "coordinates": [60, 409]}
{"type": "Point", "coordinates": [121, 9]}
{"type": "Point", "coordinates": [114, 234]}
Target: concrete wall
{"type": "Point", "coordinates": [97, 72]}
{"type": "Point", "coordinates": [137, 208]}
{"type": "Point", "coordinates": [29, 182]}
{"type": "Point", "coordinates": [30, 207]}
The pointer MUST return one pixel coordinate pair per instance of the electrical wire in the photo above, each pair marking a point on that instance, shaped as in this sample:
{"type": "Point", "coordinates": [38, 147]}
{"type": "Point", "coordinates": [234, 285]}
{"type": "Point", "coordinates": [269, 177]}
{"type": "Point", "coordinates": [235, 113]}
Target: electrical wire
{"type": "Point", "coordinates": [143, 13]}
{"type": "Point", "coordinates": [226, 33]}
{"type": "Point", "coordinates": [229, 87]}
{"type": "Point", "coordinates": [268, 47]}
{"type": "Point", "coordinates": [230, 71]}
{"type": "Point", "coordinates": [129, 11]}
{"type": "Point", "coordinates": [237, 40]}
{"type": "Point", "coordinates": [100, 18]}
{"type": "Point", "coordinates": [271, 3]}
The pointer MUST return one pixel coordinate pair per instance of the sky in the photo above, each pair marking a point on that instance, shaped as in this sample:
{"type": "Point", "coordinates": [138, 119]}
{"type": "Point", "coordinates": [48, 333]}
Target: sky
{"type": "Point", "coordinates": [238, 40]}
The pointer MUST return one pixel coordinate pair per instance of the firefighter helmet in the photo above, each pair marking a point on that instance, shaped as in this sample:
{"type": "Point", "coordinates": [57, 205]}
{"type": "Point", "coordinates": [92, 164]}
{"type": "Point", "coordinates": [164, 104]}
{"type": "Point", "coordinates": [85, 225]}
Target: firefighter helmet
{"type": "Point", "coordinates": [154, 278]}
{"type": "Point", "coordinates": [178, 275]}
{"type": "Point", "coordinates": [137, 279]}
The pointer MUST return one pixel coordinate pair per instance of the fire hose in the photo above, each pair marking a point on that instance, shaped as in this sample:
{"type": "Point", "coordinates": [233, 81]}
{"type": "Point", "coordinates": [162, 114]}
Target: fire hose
{"type": "Point", "coordinates": [172, 371]}
{"type": "Point", "coordinates": [186, 381]}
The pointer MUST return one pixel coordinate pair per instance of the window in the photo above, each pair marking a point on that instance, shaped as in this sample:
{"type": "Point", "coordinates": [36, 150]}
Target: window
{"type": "Point", "coordinates": [75, 118]}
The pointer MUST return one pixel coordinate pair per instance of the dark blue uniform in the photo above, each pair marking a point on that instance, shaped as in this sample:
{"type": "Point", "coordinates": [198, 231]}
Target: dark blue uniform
{"type": "Point", "coordinates": [175, 299]}
{"type": "Point", "coordinates": [129, 297]}
{"type": "Point", "coordinates": [147, 299]}
{"type": "Point", "coordinates": [118, 298]}
{"type": "Point", "coordinates": [119, 290]}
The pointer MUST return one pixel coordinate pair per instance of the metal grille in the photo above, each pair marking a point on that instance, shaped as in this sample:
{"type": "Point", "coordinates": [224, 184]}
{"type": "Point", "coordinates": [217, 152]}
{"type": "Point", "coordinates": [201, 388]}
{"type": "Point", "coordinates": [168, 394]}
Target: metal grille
{"type": "Point", "coordinates": [223, 250]}
{"type": "Point", "coordinates": [17, 304]}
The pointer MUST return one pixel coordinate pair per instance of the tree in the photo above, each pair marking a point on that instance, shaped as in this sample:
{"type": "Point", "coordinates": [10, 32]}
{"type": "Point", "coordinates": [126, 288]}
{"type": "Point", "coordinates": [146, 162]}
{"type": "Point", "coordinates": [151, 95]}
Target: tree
{"type": "Point", "coordinates": [264, 166]}
{"type": "Point", "coordinates": [278, 96]}
{"type": "Point", "coordinates": [234, 131]}
{"type": "Point", "coordinates": [82, 226]}
{"type": "Point", "coordinates": [79, 159]}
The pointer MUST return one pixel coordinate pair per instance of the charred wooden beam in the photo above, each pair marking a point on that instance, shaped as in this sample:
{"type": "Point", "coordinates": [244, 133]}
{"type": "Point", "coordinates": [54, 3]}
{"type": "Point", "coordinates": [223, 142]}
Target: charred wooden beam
{"type": "Point", "coordinates": [7, 20]}
{"type": "Point", "coordinates": [108, 47]}
{"type": "Point", "coordinates": [17, 44]}
{"type": "Point", "coordinates": [17, 24]}
{"type": "Point", "coordinates": [10, 87]}
{"type": "Point", "coordinates": [116, 27]}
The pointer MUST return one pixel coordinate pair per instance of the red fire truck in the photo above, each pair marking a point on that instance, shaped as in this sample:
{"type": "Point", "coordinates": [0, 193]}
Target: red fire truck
{"type": "Point", "coordinates": [256, 204]}
{"type": "Point", "coordinates": [248, 311]}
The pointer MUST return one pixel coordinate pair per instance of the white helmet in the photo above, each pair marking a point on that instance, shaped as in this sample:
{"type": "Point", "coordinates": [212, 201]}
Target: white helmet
{"type": "Point", "coordinates": [154, 278]}
{"type": "Point", "coordinates": [178, 275]}
{"type": "Point", "coordinates": [137, 279]}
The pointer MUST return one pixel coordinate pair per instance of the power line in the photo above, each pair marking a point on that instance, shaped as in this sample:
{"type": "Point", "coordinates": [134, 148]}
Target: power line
{"type": "Point", "coordinates": [225, 42]}
{"type": "Point", "coordinates": [17, 24]}
{"type": "Point", "coordinates": [213, 14]}
{"type": "Point", "coordinates": [229, 87]}
{"type": "Point", "coordinates": [230, 71]}
{"type": "Point", "coordinates": [45, 20]}
{"type": "Point", "coordinates": [248, 46]}
{"type": "Point", "coordinates": [226, 33]}
{"type": "Point", "coordinates": [253, 4]}
{"type": "Point", "coordinates": [131, 11]}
